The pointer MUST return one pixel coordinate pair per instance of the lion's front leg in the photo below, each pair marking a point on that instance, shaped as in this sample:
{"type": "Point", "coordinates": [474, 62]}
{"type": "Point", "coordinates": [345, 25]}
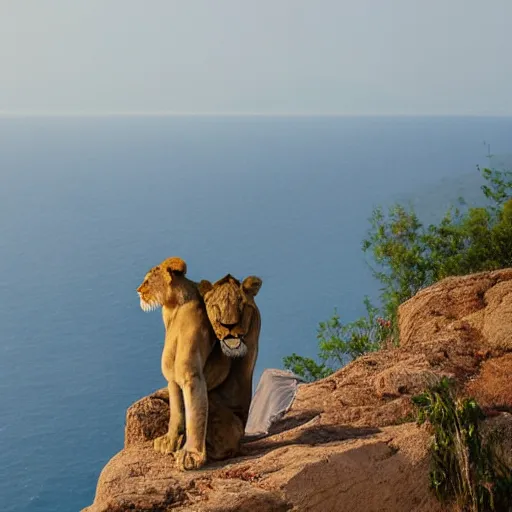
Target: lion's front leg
{"type": "Point", "coordinates": [173, 440]}
{"type": "Point", "coordinates": [193, 454]}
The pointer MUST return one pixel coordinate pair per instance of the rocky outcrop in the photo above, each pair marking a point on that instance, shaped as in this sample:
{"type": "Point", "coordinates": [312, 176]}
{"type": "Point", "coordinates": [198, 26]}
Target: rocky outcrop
{"type": "Point", "coordinates": [348, 443]}
{"type": "Point", "coordinates": [147, 418]}
{"type": "Point", "coordinates": [492, 386]}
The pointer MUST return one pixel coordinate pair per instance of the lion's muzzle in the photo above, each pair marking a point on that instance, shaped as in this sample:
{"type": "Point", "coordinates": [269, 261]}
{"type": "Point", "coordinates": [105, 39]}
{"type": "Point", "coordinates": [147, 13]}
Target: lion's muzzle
{"type": "Point", "coordinates": [233, 347]}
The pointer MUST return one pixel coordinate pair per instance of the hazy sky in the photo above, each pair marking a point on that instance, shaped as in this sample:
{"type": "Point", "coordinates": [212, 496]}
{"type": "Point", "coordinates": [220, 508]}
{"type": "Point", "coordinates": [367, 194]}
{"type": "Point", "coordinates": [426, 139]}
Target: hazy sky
{"type": "Point", "coordinates": [261, 56]}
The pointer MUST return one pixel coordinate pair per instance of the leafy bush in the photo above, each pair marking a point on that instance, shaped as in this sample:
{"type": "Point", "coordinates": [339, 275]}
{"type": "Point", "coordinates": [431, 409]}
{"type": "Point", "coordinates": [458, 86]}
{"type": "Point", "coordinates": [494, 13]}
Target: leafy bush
{"type": "Point", "coordinates": [339, 343]}
{"type": "Point", "coordinates": [464, 467]}
{"type": "Point", "coordinates": [408, 256]}
{"type": "Point", "coordinates": [306, 367]}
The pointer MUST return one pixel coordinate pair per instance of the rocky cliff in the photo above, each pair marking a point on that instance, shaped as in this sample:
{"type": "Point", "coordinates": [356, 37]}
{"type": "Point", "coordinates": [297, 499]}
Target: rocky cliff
{"type": "Point", "coordinates": [349, 442]}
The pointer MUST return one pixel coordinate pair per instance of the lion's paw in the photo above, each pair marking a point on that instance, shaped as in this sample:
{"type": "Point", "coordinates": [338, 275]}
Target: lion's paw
{"type": "Point", "coordinates": [168, 443]}
{"type": "Point", "coordinates": [187, 460]}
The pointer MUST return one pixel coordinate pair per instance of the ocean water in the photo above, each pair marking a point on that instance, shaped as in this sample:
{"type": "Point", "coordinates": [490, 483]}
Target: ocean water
{"type": "Point", "coordinates": [87, 206]}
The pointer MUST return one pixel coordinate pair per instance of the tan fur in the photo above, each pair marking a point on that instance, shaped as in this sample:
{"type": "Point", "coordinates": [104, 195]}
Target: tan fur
{"type": "Point", "coordinates": [233, 313]}
{"type": "Point", "coordinates": [230, 305]}
{"type": "Point", "coordinates": [189, 341]}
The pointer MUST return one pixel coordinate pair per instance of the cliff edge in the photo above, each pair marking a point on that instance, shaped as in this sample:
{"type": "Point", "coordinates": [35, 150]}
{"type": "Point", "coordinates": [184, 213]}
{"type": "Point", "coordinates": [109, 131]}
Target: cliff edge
{"type": "Point", "coordinates": [349, 442]}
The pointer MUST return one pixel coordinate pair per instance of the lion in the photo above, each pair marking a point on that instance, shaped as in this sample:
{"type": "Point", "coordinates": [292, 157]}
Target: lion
{"type": "Point", "coordinates": [236, 321]}
{"type": "Point", "coordinates": [189, 340]}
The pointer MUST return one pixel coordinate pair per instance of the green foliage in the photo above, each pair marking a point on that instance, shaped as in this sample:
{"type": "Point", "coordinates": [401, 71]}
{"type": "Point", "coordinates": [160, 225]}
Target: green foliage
{"type": "Point", "coordinates": [497, 187]}
{"type": "Point", "coordinates": [339, 343]}
{"type": "Point", "coordinates": [306, 367]}
{"type": "Point", "coordinates": [407, 256]}
{"type": "Point", "coordinates": [398, 248]}
{"type": "Point", "coordinates": [464, 467]}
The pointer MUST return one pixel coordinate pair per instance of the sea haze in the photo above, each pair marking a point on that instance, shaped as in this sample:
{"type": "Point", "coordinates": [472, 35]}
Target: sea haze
{"type": "Point", "coordinates": [87, 206]}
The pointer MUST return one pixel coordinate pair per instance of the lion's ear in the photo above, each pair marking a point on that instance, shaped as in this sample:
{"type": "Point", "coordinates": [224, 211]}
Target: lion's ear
{"type": "Point", "coordinates": [204, 287]}
{"type": "Point", "coordinates": [175, 266]}
{"type": "Point", "coordinates": [251, 285]}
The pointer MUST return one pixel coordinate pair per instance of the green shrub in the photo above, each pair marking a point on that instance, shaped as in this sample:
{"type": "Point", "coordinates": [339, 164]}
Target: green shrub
{"type": "Point", "coordinates": [465, 468]}
{"type": "Point", "coordinates": [306, 367]}
{"type": "Point", "coordinates": [339, 343]}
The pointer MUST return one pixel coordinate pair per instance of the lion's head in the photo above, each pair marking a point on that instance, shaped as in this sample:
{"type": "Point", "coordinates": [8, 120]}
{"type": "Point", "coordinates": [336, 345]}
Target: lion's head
{"type": "Point", "coordinates": [230, 306]}
{"type": "Point", "coordinates": [156, 290]}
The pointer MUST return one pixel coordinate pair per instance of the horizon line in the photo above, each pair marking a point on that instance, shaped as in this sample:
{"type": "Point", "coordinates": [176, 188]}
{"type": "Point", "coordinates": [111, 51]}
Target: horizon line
{"type": "Point", "coordinates": [6, 114]}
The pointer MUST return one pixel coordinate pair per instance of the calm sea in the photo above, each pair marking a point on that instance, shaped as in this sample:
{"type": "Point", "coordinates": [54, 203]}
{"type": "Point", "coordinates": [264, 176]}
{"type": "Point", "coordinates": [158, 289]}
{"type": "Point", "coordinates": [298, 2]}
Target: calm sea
{"type": "Point", "coordinates": [87, 206]}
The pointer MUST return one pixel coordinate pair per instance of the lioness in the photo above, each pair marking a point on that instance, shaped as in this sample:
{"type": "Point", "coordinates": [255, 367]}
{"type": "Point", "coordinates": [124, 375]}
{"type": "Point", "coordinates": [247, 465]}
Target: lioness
{"type": "Point", "coordinates": [188, 343]}
{"type": "Point", "coordinates": [236, 321]}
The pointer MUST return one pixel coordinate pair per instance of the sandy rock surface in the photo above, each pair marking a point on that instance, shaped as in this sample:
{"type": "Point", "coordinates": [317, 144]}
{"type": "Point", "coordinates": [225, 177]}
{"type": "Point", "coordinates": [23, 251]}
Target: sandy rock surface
{"type": "Point", "coordinates": [348, 443]}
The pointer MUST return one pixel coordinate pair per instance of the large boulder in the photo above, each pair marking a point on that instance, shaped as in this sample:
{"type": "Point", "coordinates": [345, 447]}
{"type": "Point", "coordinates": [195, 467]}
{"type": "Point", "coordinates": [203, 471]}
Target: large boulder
{"type": "Point", "coordinates": [349, 441]}
{"type": "Point", "coordinates": [147, 419]}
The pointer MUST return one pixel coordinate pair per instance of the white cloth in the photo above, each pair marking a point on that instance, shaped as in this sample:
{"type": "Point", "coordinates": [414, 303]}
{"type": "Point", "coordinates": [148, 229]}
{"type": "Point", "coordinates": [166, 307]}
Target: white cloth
{"type": "Point", "coordinates": [273, 397]}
